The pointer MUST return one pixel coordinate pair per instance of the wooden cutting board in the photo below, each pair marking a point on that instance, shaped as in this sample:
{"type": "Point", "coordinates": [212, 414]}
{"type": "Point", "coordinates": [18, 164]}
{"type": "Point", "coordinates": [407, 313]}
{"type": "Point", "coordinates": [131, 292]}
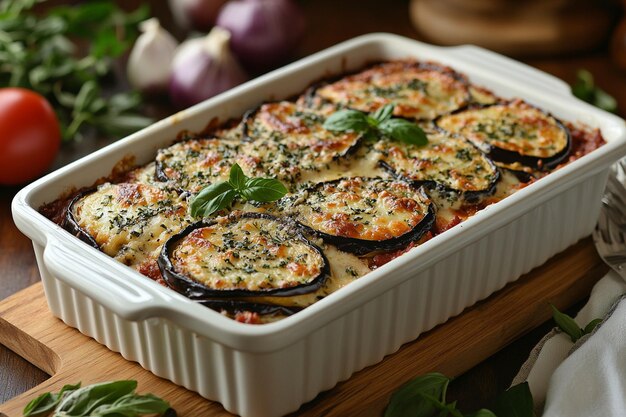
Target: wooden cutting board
{"type": "Point", "coordinates": [28, 328]}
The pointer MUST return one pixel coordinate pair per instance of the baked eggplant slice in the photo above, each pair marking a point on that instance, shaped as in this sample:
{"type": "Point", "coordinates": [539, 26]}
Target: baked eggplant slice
{"type": "Point", "coordinates": [242, 255]}
{"type": "Point", "coordinates": [512, 132]}
{"type": "Point", "coordinates": [418, 90]}
{"type": "Point", "coordinates": [362, 215]}
{"type": "Point", "coordinates": [447, 162]}
{"type": "Point", "coordinates": [299, 134]}
{"type": "Point", "coordinates": [127, 221]}
{"type": "Point", "coordinates": [193, 164]}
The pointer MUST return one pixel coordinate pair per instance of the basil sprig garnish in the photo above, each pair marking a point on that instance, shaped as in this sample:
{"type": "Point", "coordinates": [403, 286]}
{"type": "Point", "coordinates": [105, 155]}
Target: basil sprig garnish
{"type": "Point", "coordinates": [380, 123]}
{"type": "Point", "coordinates": [570, 327]}
{"type": "Point", "coordinates": [220, 195]}
{"type": "Point", "coordinates": [425, 396]}
{"type": "Point", "coordinates": [107, 399]}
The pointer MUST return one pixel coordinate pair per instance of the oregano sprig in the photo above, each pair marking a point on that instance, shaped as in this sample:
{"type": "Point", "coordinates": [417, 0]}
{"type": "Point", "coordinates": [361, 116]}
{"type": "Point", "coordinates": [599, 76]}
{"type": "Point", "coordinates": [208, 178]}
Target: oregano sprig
{"type": "Point", "coordinates": [380, 123]}
{"type": "Point", "coordinates": [219, 196]}
{"type": "Point", "coordinates": [570, 327]}
{"type": "Point", "coordinates": [585, 89]}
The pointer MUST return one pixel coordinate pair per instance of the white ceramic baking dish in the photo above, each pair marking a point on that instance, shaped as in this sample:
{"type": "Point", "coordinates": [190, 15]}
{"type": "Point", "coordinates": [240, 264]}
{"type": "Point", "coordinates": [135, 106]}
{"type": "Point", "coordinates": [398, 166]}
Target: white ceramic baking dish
{"type": "Point", "coordinates": [270, 370]}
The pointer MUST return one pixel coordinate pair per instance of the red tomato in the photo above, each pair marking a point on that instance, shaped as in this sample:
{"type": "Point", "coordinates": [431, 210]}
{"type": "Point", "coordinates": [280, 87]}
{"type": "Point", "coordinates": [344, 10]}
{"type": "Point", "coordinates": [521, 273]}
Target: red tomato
{"type": "Point", "coordinates": [29, 135]}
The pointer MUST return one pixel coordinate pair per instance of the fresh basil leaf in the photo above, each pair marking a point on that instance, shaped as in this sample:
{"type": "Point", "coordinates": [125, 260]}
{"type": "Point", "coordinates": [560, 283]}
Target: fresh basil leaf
{"type": "Point", "coordinates": [604, 100]}
{"type": "Point", "coordinates": [403, 131]}
{"type": "Point", "coordinates": [45, 403]}
{"type": "Point", "coordinates": [132, 405]}
{"type": "Point", "coordinates": [84, 400]}
{"type": "Point", "coordinates": [483, 412]}
{"type": "Point", "coordinates": [237, 178]}
{"type": "Point", "coordinates": [585, 89]}
{"type": "Point", "coordinates": [384, 113]}
{"type": "Point", "coordinates": [566, 324]}
{"type": "Point", "coordinates": [591, 326]}
{"type": "Point", "coordinates": [420, 397]}
{"type": "Point", "coordinates": [213, 198]}
{"type": "Point", "coordinates": [347, 121]}
{"type": "Point", "coordinates": [263, 190]}
{"type": "Point", "coordinates": [517, 401]}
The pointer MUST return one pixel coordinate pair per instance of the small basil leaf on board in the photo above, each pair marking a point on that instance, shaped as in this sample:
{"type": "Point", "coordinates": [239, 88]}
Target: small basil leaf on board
{"type": "Point", "coordinates": [263, 190]}
{"type": "Point", "coordinates": [483, 412]}
{"type": "Point", "coordinates": [213, 198]}
{"type": "Point", "coordinates": [591, 326]}
{"type": "Point", "coordinates": [347, 121]}
{"type": "Point", "coordinates": [403, 131]}
{"type": "Point", "coordinates": [421, 397]}
{"type": "Point", "coordinates": [84, 400]}
{"type": "Point", "coordinates": [517, 401]}
{"type": "Point", "coordinates": [132, 405]}
{"type": "Point", "coordinates": [237, 178]}
{"type": "Point", "coordinates": [383, 113]}
{"type": "Point", "coordinates": [45, 403]}
{"type": "Point", "coordinates": [566, 324]}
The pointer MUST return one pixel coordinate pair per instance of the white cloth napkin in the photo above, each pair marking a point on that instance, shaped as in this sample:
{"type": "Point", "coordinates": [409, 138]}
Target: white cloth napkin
{"type": "Point", "coordinates": [587, 378]}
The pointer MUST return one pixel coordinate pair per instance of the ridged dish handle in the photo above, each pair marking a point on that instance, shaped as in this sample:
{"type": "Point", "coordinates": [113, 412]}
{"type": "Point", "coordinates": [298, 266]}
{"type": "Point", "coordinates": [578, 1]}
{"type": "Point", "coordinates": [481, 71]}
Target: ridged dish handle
{"type": "Point", "coordinates": [109, 285]}
{"type": "Point", "coordinates": [522, 73]}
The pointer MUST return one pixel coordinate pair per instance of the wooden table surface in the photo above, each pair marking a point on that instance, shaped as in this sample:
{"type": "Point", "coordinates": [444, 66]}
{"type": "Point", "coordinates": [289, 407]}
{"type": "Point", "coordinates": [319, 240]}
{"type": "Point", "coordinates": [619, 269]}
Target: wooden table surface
{"type": "Point", "coordinates": [329, 22]}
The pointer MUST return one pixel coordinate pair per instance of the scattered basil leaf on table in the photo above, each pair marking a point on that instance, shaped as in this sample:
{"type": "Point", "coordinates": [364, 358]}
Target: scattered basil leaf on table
{"type": "Point", "coordinates": [45, 403]}
{"type": "Point", "coordinates": [107, 399]}
{"type": "Point", "coordinates": [585, 89]}
{"type": "Point", "coordinates": [380, 123]}
{"type": "Point", "coordinates": [219, 196]}
{"type": "Point", "coordinates": [41, 53]}
{"type": "Point", "coordinates": [425, 396]}
{"type": "Point", "coordinates": [570, 327]}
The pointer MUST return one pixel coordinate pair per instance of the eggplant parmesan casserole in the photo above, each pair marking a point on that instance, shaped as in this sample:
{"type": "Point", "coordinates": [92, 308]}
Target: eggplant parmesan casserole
{"type": "Point", "coordinates": [355, 201]}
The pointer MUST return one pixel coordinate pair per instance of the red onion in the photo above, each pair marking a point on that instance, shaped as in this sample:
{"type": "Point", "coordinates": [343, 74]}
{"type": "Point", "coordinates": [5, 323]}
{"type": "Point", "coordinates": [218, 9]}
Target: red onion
{"type": "Point", "coordinates": [204, 67]}
{"type": "Point", "coordinates": [196, 14]}
{"type": "Point", "coordinates": [264, 32]}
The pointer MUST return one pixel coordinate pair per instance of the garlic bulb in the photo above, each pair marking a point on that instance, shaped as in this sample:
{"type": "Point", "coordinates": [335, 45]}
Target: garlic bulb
{"type": "Point", "coordinates": [150, 60]}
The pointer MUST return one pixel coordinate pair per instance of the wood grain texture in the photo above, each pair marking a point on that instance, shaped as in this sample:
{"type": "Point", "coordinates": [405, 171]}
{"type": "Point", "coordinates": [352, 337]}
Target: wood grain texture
{"type": "Point", "coordinates": [28, 328]}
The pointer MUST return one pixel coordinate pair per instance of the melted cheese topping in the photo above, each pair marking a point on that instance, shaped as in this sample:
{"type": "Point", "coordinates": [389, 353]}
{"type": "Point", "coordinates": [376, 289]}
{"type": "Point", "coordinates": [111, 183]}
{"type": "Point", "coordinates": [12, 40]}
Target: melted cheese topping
{"type": "Point", "coordinates": [131, 222]}
{"type": "Point", "coordinates": [417, 91]}
{"type": "Point", "coordinates": [515, 127]}
{"type": "Point", "coordinates": [344, 268]}
{"type": "Point", "coordinates": [362, 208]}
{"type": "Point", "coordinates": [242, 253]}
{"type": "Point", "coordinates": [449, 161]}
{"type": "Point", "coordinates": [193, 164]}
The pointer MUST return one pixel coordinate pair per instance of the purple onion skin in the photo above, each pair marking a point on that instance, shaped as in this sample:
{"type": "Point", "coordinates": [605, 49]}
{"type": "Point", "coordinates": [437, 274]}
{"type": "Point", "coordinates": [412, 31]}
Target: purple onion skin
{"type": "Point", "coordinates": [264, 32]}
{"type": "Point", "coordinates": [199, 76]}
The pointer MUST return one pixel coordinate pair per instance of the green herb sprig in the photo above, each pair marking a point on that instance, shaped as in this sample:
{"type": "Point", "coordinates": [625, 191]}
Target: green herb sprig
{"type": "Point", "coordinates": [41, 53]}
{"type": "Point", "coordinates": [220, 195]}
{"type": "Point", "coordinates": [380, 123]}
{"type": "Point", "coordinates": [107, 399]}
{"type": "Point", "coordinates": [570, 327]}
{"type": "Point", "coordinates": [585, 89]}
{"type": "Point", "coordinates": [425, 396]}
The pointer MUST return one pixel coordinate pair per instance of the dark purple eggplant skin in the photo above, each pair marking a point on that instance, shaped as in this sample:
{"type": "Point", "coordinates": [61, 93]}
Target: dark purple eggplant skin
{"type": "Point", "coordinates": [196, 291]}
{"type": "Point", "coordinates": [468, 196]}
{"type": "Point", "coordinates": [508, 157]}
{"type": "Point", "coordinates": [236, 306]}
{"type": "Point", "coordinates": [363, 247]}
{"type": "Point", "coordinates": [71, 224]}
